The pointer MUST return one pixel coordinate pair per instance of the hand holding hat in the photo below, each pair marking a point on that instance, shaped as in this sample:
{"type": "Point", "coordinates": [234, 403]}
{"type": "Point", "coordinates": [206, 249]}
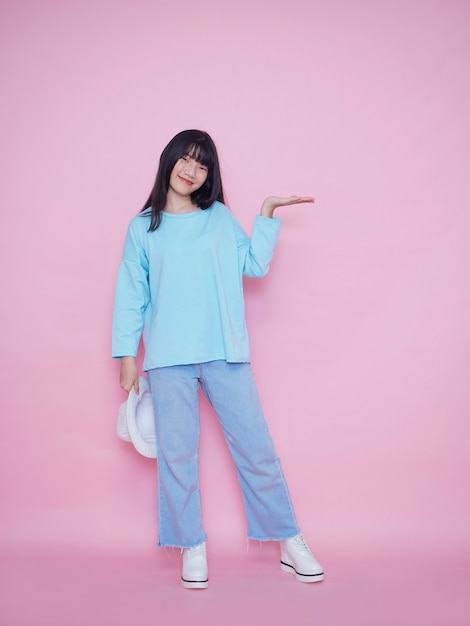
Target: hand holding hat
{"type": "Point", "coordinates": [136, 422]}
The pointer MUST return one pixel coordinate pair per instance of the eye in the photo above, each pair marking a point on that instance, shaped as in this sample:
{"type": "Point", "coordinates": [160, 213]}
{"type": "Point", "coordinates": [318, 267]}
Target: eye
{"type": "Point", "coordinates": [185, 158]}
{"type": "Point", "coordinates": [203, 168]}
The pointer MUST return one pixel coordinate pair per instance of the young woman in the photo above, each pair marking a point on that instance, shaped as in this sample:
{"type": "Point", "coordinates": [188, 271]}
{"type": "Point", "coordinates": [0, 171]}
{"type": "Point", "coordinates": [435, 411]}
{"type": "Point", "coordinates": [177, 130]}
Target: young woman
{"type": "Point", "coordinates": [180, 286]}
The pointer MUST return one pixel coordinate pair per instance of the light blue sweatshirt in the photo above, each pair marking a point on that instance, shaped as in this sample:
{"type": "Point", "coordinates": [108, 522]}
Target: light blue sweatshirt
{"type": "Point", "coordinates": [181, 286]}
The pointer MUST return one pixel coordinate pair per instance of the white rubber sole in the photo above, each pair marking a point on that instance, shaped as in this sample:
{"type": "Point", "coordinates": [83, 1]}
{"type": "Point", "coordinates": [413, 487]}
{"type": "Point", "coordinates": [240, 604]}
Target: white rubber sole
{"type": "Point", "coordinates": [303, 578]}
{"type": "Point", "coordinates": [195, 584]}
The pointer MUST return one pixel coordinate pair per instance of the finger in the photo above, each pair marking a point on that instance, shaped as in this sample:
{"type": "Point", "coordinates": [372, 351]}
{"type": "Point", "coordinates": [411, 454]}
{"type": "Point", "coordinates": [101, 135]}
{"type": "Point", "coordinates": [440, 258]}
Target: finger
{"type": "Point", "coordinates": [136, 386]}
{"type": "Point", "coordinates": [300, 199]}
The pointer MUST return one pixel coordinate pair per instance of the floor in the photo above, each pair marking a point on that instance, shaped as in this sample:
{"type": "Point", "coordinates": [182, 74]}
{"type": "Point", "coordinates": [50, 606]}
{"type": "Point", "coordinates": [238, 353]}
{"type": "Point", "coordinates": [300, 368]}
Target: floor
{"type": "Point", "coordinates": [80, 588]}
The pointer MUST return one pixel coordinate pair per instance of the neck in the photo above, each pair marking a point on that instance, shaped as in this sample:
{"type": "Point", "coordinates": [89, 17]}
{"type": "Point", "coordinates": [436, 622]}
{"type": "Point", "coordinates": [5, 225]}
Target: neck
{"type": "Point", "coordinates": [179, 204]}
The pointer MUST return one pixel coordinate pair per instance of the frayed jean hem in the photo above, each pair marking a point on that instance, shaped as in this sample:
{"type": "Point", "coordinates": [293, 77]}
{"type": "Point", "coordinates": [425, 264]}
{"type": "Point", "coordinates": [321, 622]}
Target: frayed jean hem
{"type": "Point", "coordinates": [180, 547]}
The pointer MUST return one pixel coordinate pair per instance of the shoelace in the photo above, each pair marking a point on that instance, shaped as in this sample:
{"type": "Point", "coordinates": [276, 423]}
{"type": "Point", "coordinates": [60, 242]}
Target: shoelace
{"type": "Point", "coordinates": [191, 553]}
{"type": "Point", "coordinates": [300, 544]}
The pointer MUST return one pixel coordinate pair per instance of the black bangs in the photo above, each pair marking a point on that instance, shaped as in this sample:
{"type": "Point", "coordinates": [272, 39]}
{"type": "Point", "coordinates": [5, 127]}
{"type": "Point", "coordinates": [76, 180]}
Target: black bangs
{"type": "Point", "coordinates": [199, 152]}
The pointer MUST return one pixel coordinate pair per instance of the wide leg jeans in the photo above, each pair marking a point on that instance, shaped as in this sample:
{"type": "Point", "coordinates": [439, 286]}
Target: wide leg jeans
{"type": "Point", "coordinates": [230, 388]}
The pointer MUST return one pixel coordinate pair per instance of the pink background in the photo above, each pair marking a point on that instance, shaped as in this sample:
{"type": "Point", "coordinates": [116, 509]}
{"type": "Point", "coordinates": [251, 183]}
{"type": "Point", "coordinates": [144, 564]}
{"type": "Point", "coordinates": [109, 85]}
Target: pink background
{"type": "Point", "coordinates": [360, 333]}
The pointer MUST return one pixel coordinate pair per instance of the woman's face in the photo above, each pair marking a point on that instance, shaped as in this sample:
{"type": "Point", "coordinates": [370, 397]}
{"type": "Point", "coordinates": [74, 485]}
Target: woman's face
{"type": "Point", "coordinates": [188, 176]}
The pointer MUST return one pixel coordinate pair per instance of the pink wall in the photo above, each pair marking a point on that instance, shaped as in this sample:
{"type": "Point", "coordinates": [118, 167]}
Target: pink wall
{"type": "Point", "coordinates": [360, 333]}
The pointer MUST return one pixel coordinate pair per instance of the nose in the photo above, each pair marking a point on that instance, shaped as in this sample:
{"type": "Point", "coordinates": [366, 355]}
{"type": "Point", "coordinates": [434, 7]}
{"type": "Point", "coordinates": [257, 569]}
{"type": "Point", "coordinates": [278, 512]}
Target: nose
{"type": "Point", "coordinates": [190, 168]}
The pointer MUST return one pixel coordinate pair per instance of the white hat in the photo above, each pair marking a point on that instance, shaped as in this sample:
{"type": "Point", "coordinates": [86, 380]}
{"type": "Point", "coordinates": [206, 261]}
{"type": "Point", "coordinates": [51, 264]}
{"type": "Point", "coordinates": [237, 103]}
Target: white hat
{"type": "Point", "coordinates": [135, 420]}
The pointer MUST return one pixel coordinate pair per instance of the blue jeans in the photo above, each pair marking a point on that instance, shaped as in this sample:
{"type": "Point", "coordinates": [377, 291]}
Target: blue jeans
{"type": "Point", "coordinates": [231, 390]}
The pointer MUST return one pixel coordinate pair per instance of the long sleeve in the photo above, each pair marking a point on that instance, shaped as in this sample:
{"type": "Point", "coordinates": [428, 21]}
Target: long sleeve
{"type": "Point", "coordinates": [256, 253]}
{"type": "Point", "coordinates": [132, 295]}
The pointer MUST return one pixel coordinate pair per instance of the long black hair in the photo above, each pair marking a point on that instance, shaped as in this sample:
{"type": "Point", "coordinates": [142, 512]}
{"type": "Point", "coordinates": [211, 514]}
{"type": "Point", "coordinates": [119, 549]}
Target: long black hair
{"type": "Point", "coordinates": [198, 145]}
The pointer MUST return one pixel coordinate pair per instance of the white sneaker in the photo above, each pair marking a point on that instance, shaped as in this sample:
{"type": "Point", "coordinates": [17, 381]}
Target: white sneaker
{"type": "Point", "coordinates": [297, 559]}
{"type": "Point", "coordinates": [195, 572]}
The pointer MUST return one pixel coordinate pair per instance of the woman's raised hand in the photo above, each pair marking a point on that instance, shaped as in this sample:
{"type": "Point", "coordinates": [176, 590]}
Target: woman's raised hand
{"type": "Point", "coordinates": [273, 202]}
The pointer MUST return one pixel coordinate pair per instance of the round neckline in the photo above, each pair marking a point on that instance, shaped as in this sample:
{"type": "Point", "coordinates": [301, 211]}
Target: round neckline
{"type": "Point", "coordinates": [182, 215]}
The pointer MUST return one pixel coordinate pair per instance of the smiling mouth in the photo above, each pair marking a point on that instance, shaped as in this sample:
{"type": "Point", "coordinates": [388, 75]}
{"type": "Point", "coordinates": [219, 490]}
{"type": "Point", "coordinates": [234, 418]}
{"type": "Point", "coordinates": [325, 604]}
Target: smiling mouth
{"type": "Point", "coordinates": [186, 181]}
